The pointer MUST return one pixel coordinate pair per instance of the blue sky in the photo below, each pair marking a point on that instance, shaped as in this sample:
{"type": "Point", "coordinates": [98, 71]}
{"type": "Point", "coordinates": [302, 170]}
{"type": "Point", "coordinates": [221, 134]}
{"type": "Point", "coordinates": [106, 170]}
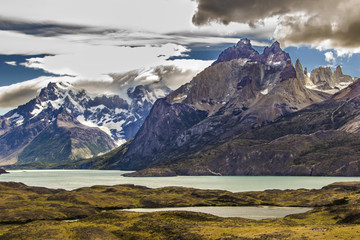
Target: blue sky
{"type": "Point", "coordinates": [10, 74]}
{"type": "Point", "coordinates": [313, 58]}
{"type": "Point", "coordinates": [86, 41]}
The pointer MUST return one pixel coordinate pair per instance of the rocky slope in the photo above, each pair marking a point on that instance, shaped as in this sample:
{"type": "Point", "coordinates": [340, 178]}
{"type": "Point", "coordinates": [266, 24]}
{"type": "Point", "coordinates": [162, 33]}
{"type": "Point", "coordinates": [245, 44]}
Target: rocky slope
{"type": "Point", "coordinates": [251, 114]}
{"type": "Point", "coordinates": [64, 123]}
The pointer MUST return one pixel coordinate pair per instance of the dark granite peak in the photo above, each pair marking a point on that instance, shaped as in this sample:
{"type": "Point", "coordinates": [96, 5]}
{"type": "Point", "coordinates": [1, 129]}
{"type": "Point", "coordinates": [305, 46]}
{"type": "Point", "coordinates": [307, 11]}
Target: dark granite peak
{"type": "Point", "coordinates": [276, 53]}
{"type": "Point", "coordinates": [242, 50]}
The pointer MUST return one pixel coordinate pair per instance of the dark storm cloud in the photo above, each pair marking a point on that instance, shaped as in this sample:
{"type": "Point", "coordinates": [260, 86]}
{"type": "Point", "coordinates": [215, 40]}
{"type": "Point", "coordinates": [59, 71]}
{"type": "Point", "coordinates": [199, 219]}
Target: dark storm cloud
{"type": "Point", "coordinates": [347, 36]}
{"type": "Point", "coordinates": [16, 96]}
{"type": "Point", "coordinates": [251, 12]}
{"type": "Point", "coordinates": [46, 29]}
{"type": "Point", "coordinates": [305, 21]}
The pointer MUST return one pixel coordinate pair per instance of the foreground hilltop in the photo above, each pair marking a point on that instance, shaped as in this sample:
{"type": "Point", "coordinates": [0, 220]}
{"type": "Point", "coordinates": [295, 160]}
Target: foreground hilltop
{"type": "Point", "coordinates": [249, 114]}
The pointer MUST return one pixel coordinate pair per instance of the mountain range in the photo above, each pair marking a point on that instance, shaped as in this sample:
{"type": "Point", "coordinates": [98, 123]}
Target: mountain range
{"type": "Point", "coordinates": [249, 114]}
{"type": "Point", "coordinates": [64, 123]}
{"type": "Point", "coordinates": [246, 114]}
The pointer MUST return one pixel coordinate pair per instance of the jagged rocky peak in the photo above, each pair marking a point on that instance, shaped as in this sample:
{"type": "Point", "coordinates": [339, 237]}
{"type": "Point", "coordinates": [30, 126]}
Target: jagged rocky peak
{"type": "Point", "coordinates": [302, 74]}
{"type": "Point", "coordinates": [49, 92]}
{"type": "Point", "coordinates": [242, 50]}
{"type": "Point", "coordinates": [306, 71]}
{"type": "Point", "coordinates": [340, 78]}
{"type": "Point", "coordinates": [274, 54]}
{"type": "Point", "coordinates": [338, 71]}
{"type": "Point", "coordinates": [238, 81]}
{"type": "Point", "coordinates": [324, 79]}
{"type": "Point", "coordinates": [275, 47]}
{"type": "Point", "coordinates": [53, 91]}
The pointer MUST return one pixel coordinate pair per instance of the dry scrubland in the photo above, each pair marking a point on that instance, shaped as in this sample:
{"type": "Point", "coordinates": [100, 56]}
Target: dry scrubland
{"type": "Point", "coordinates": [92, 213]}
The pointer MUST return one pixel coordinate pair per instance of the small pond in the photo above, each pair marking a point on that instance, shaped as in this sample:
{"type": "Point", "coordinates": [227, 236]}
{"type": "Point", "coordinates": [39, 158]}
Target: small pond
{"type": "Point", "coordinates": [256, 213]}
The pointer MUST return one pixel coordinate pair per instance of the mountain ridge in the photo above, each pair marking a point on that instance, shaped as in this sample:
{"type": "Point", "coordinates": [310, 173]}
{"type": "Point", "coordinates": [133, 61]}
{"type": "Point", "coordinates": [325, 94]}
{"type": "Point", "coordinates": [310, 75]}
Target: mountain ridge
{"type": "Point", "coordinates": [233, 97]}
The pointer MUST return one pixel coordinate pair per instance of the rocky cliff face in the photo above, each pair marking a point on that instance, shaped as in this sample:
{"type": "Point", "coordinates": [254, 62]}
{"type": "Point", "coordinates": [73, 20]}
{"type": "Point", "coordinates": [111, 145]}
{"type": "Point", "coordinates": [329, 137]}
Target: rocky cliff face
{"type": "Point", "coordinates": [321, 139]}
{"type": "Point", "coordinates": [64, 123]}
{"type": "Point", "coordinates": [323, 79]}
{"type": "Point", "coordinates": [242, 90]}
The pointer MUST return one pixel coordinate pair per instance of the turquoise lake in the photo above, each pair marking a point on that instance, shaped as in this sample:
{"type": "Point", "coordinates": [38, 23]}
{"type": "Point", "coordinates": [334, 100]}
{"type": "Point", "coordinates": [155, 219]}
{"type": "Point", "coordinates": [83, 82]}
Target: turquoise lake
{"type": "Point", "coordinates": [72, 179]}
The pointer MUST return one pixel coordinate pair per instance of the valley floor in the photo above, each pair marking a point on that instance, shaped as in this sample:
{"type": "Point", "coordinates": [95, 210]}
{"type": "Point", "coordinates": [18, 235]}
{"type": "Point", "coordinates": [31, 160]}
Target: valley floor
{"type": "Point", "coordinates": [92, 213]}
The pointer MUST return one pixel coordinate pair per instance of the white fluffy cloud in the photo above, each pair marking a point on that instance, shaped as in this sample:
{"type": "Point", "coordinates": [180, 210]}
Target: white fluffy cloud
{"type": "Point", "coordinates": [12, 63]}
{"type": "Point", "coordinates": [96, 62]}
{"type": "Point", "coordinates": [83, 59]}
{"type": "Point", "coordinates": [329, 57]}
